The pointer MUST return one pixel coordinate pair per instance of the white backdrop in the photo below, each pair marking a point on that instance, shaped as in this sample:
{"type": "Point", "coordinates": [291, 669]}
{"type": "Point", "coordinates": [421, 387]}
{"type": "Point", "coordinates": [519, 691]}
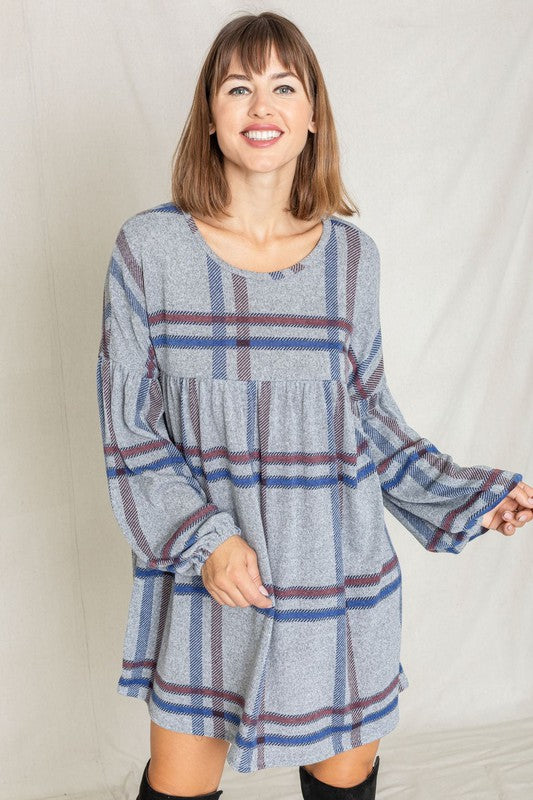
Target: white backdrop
{"type": "Point", "coordinates": [433, 103]}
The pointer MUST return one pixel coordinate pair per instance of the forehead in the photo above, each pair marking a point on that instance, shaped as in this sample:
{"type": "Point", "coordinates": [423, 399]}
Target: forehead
{"type": "Point", "coordinates": [272, 63]}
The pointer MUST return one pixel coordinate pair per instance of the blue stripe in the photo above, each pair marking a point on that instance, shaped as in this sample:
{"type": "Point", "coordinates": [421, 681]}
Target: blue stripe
{"type": "Point", "coordinates": [138, 308]}
{"type": "Point", "coordinates": [176, 708]}
{"type": "Point", "coordinates": [254, 342]}
{"type": "Point", "coordinates": [321, 734]}
{"type": "Point", "coordinates": [161, 463]}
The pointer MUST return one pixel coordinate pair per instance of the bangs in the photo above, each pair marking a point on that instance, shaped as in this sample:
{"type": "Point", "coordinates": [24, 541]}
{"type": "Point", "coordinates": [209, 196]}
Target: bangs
{"type": "Point", "coordinates": [252, 45]}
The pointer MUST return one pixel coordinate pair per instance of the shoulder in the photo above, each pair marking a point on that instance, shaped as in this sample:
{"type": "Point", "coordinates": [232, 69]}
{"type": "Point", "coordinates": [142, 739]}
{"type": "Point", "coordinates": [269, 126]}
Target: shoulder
{"type": "Point", "coordinates": [146, 227]}
{"type": "Point", "coordinates": [360, 239]}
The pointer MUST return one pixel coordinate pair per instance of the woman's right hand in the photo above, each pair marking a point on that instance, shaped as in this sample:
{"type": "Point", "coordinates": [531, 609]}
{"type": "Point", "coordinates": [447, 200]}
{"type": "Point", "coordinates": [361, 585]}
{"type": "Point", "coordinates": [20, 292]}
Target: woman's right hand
{"type": "Point", "coordinates": [231, 574]}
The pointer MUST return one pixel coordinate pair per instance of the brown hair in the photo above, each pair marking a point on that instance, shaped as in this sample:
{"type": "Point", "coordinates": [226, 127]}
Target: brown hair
{"type": "Point", "coordinates": [198, 182]}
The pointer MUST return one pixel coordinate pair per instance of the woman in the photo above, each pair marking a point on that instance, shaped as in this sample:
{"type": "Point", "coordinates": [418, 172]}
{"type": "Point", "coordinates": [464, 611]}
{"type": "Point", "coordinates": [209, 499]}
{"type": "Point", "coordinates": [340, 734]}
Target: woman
{"type": "Point", "coordinates": [252, 444]}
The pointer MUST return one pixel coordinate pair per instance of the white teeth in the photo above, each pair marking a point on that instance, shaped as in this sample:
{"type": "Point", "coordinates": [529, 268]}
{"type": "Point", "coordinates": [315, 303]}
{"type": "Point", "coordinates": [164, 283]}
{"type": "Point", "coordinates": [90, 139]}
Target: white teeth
{"type": "Point", "coordinates": [262, 134]}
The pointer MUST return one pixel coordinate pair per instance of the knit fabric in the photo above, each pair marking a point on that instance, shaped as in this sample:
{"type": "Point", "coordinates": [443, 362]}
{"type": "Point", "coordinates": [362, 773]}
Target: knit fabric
{"type": "Point", "coordinates": [235, 402]}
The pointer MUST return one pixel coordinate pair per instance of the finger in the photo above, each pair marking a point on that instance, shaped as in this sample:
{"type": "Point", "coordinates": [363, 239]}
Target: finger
{"type": "Point", "coordinates": [509, 516]}
{"type": "Point", "coordinates": [523, 494]}
{"type": "Point", "coordinates": [507, 528]}
{"type": "Point", "coordinates": [521, 517]}
{"type": "Point", "coordinates": [508, 504]}
{"type": "Point", "coordinates": [221, 597]}
{"type": "Point", "coordinates": [233, 592]}
{"type": "Point", "coordinates": [227, 600]}
{"type": "Point", "coordinates": [257, 581]}
{"type": "Point", "coordinates": [253, 582]}
{"type": "Point", "coordinates": [238, 588]}
{"type": "Point", "coordinates": [251, 592]}
{"type": "Point", "coordinates": [230, 596]}
{"type": "Point", "coordinates": [218, 594]}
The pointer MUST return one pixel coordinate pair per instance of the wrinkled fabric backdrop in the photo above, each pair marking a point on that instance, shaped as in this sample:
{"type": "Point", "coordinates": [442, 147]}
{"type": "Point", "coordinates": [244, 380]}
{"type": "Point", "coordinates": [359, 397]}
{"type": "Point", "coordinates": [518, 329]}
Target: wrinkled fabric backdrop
{"type": "Point", "coordinates": [433, 105]}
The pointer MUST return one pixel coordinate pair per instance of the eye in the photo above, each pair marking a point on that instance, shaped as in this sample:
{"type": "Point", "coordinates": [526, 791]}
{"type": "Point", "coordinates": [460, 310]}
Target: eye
{"type": "Point", "coordinates": [235, 90]}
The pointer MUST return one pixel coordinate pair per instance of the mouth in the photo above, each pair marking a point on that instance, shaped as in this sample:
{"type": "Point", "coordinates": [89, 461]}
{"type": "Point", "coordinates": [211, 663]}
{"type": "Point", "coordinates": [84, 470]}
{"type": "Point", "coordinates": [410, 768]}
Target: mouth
{"type": "Point", "coordinates": [262, 138]}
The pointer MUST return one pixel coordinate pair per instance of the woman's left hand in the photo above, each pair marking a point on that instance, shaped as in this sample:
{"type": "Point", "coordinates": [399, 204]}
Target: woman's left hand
{"type": "Point", "coordinates": [512, 512]}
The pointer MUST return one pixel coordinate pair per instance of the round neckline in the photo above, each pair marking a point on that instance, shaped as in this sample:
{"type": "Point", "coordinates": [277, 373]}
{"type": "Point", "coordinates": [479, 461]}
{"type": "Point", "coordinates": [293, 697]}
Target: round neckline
{"type": "Point", "coordinates": [313, 257]}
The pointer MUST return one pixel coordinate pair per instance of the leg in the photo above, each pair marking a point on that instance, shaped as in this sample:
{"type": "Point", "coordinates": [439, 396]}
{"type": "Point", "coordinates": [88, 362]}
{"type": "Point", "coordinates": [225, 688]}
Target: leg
{"type": "Point", "coordinates": [348, 768]}
{"type": "Point", "coordinates": [184, 764]}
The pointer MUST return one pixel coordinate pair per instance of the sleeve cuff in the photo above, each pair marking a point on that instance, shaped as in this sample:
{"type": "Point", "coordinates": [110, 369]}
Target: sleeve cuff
{"type": "Point", "coordinates": [473, 527]}
{"type": "Point", "coordinates": [209, 536]}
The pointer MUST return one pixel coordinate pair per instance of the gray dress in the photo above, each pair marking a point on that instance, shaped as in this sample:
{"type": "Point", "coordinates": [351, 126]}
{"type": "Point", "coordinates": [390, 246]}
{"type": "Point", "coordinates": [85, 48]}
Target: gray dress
{"type": "Point", "coordinates": [235, 402]}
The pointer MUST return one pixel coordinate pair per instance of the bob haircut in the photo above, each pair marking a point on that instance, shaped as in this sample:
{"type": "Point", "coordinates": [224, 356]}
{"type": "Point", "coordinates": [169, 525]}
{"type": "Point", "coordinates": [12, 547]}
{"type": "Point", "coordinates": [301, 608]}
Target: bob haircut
{"type": "Point", "coordinates": [199, 185]}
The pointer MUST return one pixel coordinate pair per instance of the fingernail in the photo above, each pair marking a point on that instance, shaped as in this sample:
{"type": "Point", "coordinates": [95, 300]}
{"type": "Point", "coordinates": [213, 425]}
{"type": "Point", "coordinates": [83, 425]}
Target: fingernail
{"type": "Point", "coordinates": [507, 515]}
{"type": "Point", "coordinates": [521, 518]}
{"type": "Point", "coordinates": [263, 590]}
{"type": "Point", "coordinates": [509, 527]}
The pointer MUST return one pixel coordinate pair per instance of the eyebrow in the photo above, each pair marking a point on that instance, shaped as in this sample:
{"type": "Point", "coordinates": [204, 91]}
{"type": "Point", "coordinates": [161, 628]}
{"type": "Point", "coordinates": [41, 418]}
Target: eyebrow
{"type": "Point", "coordinates": [276, 76]}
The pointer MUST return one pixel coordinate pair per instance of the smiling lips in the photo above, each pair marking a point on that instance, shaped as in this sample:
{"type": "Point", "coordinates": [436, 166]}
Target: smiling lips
{"type": "Point", "coordinates": [261, 137]}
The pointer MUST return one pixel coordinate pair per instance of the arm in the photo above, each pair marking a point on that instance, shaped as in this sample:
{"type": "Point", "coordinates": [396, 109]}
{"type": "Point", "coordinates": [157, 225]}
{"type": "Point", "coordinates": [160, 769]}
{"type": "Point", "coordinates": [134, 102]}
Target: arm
{"type": "Point", "coordinates": [160, 507]}
{"type": "Point", "coordinates": [441, 503]}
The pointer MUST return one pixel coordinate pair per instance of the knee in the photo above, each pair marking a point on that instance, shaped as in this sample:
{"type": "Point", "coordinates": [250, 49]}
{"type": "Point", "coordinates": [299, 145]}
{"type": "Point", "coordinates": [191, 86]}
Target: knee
{"type": "Point", "coordinates": [341, 777]}
{"type": "Point", "coordinates": [346, 769]}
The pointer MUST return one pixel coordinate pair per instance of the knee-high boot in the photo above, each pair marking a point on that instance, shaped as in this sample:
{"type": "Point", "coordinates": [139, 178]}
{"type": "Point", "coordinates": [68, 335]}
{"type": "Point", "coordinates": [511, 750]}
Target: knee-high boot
{"type": "Point", "coordinates": [147, 793]}
{"type": "Point", "coordinates": [313, 789]}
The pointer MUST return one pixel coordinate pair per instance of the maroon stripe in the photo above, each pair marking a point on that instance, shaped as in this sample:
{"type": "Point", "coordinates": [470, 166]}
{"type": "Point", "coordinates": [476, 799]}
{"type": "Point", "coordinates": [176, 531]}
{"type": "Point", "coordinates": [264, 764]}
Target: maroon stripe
{"type": "Point", "coordinates": [242, 320]}
{"type": "Point", "coordinates": [239, 282]}
{"type": "Point", "coordinates": [192, 521]}
{"type": "Point", "coordinates": [129, 260]}
{"type": "Point", "coordinates": [145, 662]}
{"type": "Point", "coordinates": [137, 449]}
{"type": "Point", "coordinates": [354, 376]}
{"type": "Point", "coordinates": [276, 458]}
{"type": "Point", "coordinates": [279, 719]}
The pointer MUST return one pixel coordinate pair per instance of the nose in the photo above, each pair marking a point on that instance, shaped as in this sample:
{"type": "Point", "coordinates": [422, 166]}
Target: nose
{"type": "Point", "coordinates": [260, 103]}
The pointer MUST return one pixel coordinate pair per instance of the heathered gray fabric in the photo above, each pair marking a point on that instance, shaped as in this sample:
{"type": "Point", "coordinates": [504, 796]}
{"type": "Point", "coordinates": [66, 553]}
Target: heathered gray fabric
{"type": "Point", "coordinates": [236, 402]}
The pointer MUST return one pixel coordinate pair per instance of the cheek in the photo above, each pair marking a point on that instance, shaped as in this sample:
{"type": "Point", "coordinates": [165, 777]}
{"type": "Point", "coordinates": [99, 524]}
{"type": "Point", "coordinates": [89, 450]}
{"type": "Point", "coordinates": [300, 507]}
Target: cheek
{"type": "Point", "coordinates": [301, 117]}
{"type": "Point", "coordinates": [223, 113]}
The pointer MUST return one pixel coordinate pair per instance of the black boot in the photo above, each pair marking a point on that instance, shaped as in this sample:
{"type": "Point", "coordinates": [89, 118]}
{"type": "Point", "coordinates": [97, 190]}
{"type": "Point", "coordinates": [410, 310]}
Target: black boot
{"type": "Point", "coordinates": [313, 789]}
{"type": "Point", "coordinates": [147, 793]}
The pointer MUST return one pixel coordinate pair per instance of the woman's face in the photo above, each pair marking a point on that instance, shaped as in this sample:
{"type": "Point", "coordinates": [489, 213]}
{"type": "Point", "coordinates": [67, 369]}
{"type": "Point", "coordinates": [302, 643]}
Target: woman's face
{"type": "Point", "coordinates": [267, 101]}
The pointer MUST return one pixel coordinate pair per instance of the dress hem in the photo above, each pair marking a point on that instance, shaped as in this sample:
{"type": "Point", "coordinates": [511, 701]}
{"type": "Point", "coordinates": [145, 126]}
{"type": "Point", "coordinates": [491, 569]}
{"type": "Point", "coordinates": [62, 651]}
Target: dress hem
{"type": "Point", "coordinates": [287, 755]}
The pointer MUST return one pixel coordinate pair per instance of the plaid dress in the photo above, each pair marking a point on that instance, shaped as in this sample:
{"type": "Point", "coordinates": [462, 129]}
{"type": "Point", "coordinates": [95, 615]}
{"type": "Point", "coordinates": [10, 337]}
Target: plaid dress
{"type": "Point", "coordinates": [256, 403]}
